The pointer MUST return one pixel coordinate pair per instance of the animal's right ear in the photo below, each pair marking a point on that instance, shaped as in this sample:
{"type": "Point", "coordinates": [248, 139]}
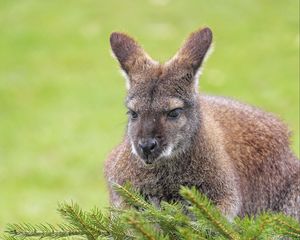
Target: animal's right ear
{"type": "Point", "coordinates": [131, 56]}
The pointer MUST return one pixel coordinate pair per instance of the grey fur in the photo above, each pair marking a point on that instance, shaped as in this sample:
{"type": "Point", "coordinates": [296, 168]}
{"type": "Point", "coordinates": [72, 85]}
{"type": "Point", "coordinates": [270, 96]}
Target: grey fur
{"type": "Point", "coordinates": [238, 155]}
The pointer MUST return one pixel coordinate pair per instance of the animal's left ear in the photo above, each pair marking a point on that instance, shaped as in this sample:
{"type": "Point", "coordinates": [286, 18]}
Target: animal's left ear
{"type": "Point", "coordinates": [192, 53]}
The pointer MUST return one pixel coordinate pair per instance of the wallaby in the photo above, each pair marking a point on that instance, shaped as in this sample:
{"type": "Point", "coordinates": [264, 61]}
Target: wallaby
{"type": "Point", "coordinates": [238, 155]}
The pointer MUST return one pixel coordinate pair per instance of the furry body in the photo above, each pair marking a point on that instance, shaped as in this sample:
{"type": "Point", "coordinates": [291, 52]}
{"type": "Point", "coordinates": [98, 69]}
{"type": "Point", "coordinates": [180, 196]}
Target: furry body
{"type": "Point", "coordinates": [238, 155]}
{"type": "Point", "coordinates": [253, 153]}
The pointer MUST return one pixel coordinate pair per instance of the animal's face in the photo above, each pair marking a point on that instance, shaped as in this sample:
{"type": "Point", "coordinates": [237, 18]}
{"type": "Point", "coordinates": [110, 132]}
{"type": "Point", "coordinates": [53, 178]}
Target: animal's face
{"type": "Point", "coordinates": [162, 98]}
{"type": "Point", "coordinates": [159, 120]}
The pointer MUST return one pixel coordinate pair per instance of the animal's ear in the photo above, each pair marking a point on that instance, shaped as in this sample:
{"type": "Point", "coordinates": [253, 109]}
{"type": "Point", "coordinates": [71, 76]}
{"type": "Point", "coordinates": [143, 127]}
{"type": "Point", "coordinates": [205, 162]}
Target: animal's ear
{"type": "Point", "coordinates": [193, 51]}
{"type": "Point", "coordinates": [130, 55]}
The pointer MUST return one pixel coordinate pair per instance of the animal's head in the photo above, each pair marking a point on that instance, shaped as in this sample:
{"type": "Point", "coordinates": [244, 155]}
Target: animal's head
{"type": "Point", "coordinates": [162, 99]}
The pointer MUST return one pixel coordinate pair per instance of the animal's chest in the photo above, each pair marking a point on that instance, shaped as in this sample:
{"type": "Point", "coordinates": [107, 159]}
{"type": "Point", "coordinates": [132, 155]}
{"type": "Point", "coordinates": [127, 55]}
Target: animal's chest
{"type": "Point", "coordinates": [164, 184]}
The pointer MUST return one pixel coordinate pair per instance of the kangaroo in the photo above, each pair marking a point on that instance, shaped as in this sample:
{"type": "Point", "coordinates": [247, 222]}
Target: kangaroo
{"type": "Point", "coordinates": [236, 154]}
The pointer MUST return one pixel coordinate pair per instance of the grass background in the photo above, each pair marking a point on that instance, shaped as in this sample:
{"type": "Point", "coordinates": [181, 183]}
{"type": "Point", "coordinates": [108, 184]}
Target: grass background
{"type": "Point", "coordinates": [61, 95]}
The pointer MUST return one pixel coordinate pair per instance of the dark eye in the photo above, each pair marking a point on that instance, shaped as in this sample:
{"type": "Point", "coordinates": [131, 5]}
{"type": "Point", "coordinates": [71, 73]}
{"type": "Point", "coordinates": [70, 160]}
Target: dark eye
{"type": "Point", "coordinates": [132, 114]}
{"type": "Point", "coordinates": [174, 113]}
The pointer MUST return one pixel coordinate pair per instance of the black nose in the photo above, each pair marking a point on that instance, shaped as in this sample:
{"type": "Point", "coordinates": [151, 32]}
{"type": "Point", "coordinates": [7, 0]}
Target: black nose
{"type": "Point", "coordinates": [148, 146]}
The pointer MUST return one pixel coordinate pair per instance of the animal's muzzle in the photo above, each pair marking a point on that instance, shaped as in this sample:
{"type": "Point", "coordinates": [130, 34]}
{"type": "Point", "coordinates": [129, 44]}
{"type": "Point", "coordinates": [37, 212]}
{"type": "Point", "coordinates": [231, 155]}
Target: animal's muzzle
{"type": "Point", "coordinates": [148, 146]}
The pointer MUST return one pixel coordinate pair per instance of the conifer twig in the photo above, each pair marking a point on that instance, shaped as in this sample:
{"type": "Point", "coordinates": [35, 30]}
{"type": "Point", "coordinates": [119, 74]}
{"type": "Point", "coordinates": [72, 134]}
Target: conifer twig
{"type": "Point", "coordinates": [74, 215]}
{"type": "Point", "coordinates": [170, 221]}
{"type": "Point", "coordinates": [42, 231]}
{"type": "Point", "coordinates": [130, 195]}
{"type": "Point", "coordinates": [139, 228]}
{"type": "Point", "coordinates": [190, 196]}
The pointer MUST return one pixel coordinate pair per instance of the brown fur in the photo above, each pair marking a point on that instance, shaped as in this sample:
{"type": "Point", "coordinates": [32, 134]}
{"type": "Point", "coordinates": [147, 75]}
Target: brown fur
{"type": "Point", "coordinates": [238, 155]}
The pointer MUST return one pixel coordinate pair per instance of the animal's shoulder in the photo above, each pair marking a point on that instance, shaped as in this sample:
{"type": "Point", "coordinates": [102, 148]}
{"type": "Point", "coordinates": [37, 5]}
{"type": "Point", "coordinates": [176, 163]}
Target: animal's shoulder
{"type": "Point", "coordinates": [243, 122]}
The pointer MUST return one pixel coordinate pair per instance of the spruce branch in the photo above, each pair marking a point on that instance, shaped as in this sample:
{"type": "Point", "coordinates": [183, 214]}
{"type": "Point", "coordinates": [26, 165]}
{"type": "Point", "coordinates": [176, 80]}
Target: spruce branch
{"type": "Point", "coordinates": [143, 220]}
{"type": "Point", "coordinates": [76, 217]}
{"type": "Point", "coordinates": [201, 203]}
{"type": "Point", "coordinates": [132, 197]}
{"type": "Point", "coordinates": [285, 226]}
{"type": "Point", "coordinates": [290, 224]}
{"type": "Point", "coordinates": [8, 237]}
{"type": "Point", "coordinates": [145, 229]}
{"type": "Point", "coordinates": [168, 217]}
{"type": "Point", "coordinates": [47, 230]}
{"type": "Point", "coordinates": [117, 229]}
{"type": "Point", "coordinates": [173, 217]}
{"type": "Point", "coordinates": [186, 234]}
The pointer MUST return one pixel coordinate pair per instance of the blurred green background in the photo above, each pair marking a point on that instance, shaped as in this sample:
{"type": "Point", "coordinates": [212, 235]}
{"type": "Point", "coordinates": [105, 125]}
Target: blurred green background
{"type": "Point", "coordinates": [61, 94]}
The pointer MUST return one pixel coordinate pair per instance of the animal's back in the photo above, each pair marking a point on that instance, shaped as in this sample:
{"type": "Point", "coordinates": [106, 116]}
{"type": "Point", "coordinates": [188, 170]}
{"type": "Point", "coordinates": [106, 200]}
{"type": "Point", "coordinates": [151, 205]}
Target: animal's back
{"type": "Point", "coordinates": [258, 145]}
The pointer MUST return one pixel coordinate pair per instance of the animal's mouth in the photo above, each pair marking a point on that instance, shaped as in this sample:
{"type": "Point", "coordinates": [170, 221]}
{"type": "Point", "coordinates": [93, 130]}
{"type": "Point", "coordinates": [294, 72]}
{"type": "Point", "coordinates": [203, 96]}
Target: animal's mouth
{"type": "Point", "coordinates": [153, 156]}
{"type": "Point", "coordinates": [157, 156]}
